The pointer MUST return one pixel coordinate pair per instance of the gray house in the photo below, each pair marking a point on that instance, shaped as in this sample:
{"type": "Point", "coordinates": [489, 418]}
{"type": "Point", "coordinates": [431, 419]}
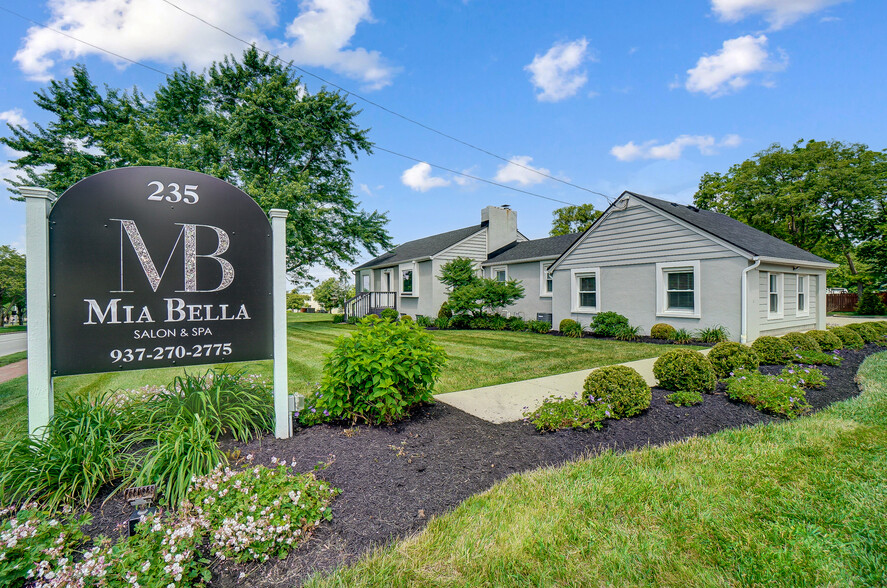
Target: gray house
{"type": "Point", "coordinates": [656, 261]}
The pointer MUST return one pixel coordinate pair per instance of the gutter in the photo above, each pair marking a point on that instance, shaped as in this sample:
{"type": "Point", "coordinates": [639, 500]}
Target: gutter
{"type": "Point", "coordinates": [743, 336]}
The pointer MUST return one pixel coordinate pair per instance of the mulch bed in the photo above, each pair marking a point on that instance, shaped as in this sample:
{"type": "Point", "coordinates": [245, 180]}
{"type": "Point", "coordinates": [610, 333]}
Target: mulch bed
{"type": "Point", "coordinates": [394, 479]}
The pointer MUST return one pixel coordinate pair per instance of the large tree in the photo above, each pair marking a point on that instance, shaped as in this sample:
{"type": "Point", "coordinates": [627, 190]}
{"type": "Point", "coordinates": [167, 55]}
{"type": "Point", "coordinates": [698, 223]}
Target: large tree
{"type": "Point", "coordinates": [250, 122]}
{"type": "Point", "coordinates": [331, 293]}
{"type": "Point", "coordinates": [573, 219]}
{"type": "Point", "coordinates": [823, 196]}
{"type": "Point", "coordinates": [12, 283]}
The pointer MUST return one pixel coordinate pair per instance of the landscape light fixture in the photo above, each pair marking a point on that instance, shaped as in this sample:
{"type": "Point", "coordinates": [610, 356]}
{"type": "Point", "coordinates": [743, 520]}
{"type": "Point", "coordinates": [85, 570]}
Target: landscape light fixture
{"type": "Point", "coordinates": [141, 499]}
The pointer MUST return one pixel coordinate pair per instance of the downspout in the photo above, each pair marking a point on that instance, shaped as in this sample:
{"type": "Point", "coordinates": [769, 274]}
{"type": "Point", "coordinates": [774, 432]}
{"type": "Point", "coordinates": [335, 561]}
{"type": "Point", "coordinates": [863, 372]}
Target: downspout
{"type": "Point", "coordinates": [743, 337]}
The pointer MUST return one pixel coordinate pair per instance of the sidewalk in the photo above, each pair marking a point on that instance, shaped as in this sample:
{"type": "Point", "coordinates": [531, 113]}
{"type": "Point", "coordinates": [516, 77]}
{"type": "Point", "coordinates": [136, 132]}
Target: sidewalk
{"type": "Point", "coordinates": [13, 370]}
{"type": "Point", "coordinates": [504, 403]}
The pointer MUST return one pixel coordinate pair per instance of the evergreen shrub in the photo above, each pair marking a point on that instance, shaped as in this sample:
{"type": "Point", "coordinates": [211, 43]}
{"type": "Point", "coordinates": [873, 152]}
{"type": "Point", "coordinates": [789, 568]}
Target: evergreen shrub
{"type": "Point", "coordinates": [771, 350]}
{"type": "Point", "coordinates": [685, 370]}
{"type": "Point", "coordinates": [619, 387]}
{"type": "Point", "coordinates": [728, 356]}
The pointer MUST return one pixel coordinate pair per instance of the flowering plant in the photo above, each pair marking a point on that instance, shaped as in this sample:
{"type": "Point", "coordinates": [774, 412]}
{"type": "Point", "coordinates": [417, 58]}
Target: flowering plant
{"type": "Point", "coordinates": [568, 413]}
{"type": "Point", "coordinates": [782, 395]}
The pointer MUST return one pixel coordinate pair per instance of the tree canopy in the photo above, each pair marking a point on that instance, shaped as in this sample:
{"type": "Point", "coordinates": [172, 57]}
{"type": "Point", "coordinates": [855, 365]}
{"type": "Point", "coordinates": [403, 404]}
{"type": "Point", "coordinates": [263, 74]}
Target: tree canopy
{"type": "Point", "coordinates": [12, 283]}
{"type": "Point", "coordinates": [573, 219]}
{"type": "Point", "coordinates": [824, 196]}
{"type": "Point", "coordinates": [331, 293]}
{"type": "Point", "coordinates": [250, 122]}
{"type": "Point", "coordinates": [458, 272]}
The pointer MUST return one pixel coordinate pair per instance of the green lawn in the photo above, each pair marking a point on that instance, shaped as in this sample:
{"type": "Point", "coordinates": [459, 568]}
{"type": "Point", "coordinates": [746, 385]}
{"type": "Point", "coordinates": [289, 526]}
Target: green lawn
{"type": "Point", "coordinates": [13, 329]}
{"type": "Point", "coordinates": [477, 358]}
{"type": "Point", "coordinates": [13, 358]}
{"type": "Point", "coordinates": [800, 503]}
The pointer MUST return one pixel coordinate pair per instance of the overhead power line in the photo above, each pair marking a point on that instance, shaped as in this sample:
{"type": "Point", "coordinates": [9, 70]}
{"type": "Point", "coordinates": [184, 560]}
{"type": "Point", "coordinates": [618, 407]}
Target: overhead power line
{"type": "Point", "coordinates": [300, 121]}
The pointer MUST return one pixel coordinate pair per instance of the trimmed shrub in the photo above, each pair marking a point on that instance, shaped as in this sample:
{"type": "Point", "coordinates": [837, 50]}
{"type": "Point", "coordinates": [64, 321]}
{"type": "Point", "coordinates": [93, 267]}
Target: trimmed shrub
{"type": "Point", "coordinates": [445, 311]}
{"type": "Point", "coordinates": [771, 350]}
{"type": "Point", "coordinates": [662, 331]}
{"type": "Point", "coordinates": [390, 314]}
{"type": "Point", "coordinates": [801, 341]}
{"type": "Point", "coordinates": [541, 327]}
{"type": "Point", "coordinates": [424, 321]}
{"type": "Point", "coordinates": [459, 321]}
{"type": "Point", "coordinates": [516, 323]}
{"type": "Point", "coordinates": [377, 375]}
{"type": "Point", "coordinates": [870, 304]}
{"type": "Point", "coordinates": [848, 337]}
{"type": "Point", "coordinates": [681, 336]}
{"type": "Point", "coordinates": [728, 356]}
{"type": "Point", "coordinates": [619, 387]}
{"type": "Point", "coordinates": [714, 334]}
{"type": "Point", "coordinates": [867, 331]}
{"type": "Point", "coordinates": [681, 398]}
{"type": "Point", "coordinates": [570, 328]}
{"type": "Point", "coordinates": [685, 370]}
{"type": "Point", "coordinates": [497, 322]}
{"type": "Point", "coordinates": [480, 322]}
{"type": "Point", "coordinates": [338, 318]}
{"type": "Point", "coordinates": [826, 340]}
{"type": "Point", "coordinates": [566, 413]}
{"type": "Point", "coordinates": [607, 324]}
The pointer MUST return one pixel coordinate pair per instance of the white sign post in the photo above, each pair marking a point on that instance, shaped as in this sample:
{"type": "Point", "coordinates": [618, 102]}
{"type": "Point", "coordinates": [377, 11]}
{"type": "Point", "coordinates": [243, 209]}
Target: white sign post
{"type": "Point", "coordinates": [40, 398]}
{"type": "Point", "coordinates": [283, 422]}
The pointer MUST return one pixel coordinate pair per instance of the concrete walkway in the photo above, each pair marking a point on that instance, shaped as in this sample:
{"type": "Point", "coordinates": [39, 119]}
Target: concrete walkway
{"type": "Point", "coordinates": [13, 370]}
{"type": "Point", "coordinates": [841, 321]}
{"type": "Point", "coordinates": [504, 403]}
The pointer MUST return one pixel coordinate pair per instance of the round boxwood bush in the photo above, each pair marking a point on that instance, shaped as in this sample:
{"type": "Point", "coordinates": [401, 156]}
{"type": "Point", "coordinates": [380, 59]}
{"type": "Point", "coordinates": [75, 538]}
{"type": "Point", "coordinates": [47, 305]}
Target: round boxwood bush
{"type": "Point", "coordinates": [801, 341]}
{"type": "Point", "coordinates": [771, 350]}
{"type": "Point", "coordinates": [826, 340]}
{"type": "Point", "coordinates": [662, 331]}
{"type": "Point", "coordinates": [685, 370]}
{"type": "Point", "coordinates": [848, 337]}
{"type": "Point", "coordinates": [570, 328]}
{"type": "Point", "coordinates": [620, 387]}
{"type": "Point", "coordinates": [390, 314]}
{"type": "Point", "coordinates": [608, 324]}
{"type": "Point", "coordinates": [728, 356]}
{"type": "Point", "coordinates": [867, 331]}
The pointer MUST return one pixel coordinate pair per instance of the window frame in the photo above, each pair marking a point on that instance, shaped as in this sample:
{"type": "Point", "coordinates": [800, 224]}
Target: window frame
{"type": "Point", "coordinates": [779, 313]}
{"type": "Point", "coordinates": [366, 281]}
{"type": "Point", "coordinates": [799, 292]}
{"type": "Point", "coordinates": [543, 279]}
{"type": "Point", "coordinates": [662, 271]}
{"type": "Point", "coordinates": [575, 293]}
{"type": "Point", "coordinates": [404, 269]}
{"type": "Point", "coordinates": [499, 268]}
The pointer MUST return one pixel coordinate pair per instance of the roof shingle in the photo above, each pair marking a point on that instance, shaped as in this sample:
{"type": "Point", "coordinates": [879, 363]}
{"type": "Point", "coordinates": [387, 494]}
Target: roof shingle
{"type": "Point", "coordinates": [425, 247]}
{"type": "Point", "coordinates": [537, 248]}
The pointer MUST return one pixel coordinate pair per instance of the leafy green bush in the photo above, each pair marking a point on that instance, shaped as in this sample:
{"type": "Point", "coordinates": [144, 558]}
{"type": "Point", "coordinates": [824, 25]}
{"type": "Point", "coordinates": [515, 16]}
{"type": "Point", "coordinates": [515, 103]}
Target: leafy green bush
{"type": "Point", "coordinates": [771, 350]}
{"type": "Point", "coordinates": [714, 334]}
{"type": "Point", "coordinates": [867, 331]}
{"type": "Point", "coordinates": [445, 311]}
{"type": "Point", "coordinates": [485, 294]}
{"type": "Point", "coordinates": [685, 370]}
{"type": "Point", "coordinates": [516, 323]}
{"type": "Point", "coordinates": [390, 314]}
{"type": "Point", "coordinates": [728, 356]}
{"type": "Point", "coordinates": [497, 322]}
{"type": "Point", "coordinates": [460, 321]}
{"type": "Point", "coordinates": [480, 322]}
{"type": "Point", "coordinates": [570, 328]}
{"type": "Point", "coordinates": [801, 341]}
{"type": "Point", "coordinates": [684, 398]}
{"type": "Point", "coordinates": [541, 327]}
{"type": "Point", "coordinates": [376, 375]}
{"type": "Point", "coordinates": [618, 387]}
{"type": "Point", "coordinates": [870, 304]}
{"type": "Point", "coordinates": [80, 451]}
{"type": "Point", "coordinates": [338, 318]}
{"type": "Point", "coordinates": [772, 394]}
{"type": "Point", "coordinates": [565, 413]}
{"type": "Point", "coordinates": [826, 340]}
{"type": "Point", "coordinates": [607, 324]}
{"type": "Point", "coordinates": [442, 322]}
{"type": "Point", "coordinates": [628, 333]}
{"type": "Point", "coordinates": [681, 336]}
{"type": "Point", "coordinates": [662, 331]}
{"type": "Point", "coordinates": [424, 321]}
{"type": "Point", "coordinates": [848, 337]}
{"type": "Point", "coordinates": [353, 320]}
{"type": "Point", "coordinates": [815, 357]}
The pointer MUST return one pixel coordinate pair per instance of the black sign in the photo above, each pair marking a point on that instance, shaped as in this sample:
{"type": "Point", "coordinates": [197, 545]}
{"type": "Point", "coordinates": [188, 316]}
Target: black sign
{"type": "Point", "coordinates": [155, 267]}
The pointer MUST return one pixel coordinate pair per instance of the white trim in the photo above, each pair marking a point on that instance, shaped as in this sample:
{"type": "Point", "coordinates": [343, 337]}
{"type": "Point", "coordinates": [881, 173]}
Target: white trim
{"type": "Point", "coordinates": [575, 274]}
{"type": "Point", "coordinates": [780, 292]}
{"type": "Point", "coordinates": [543, 280]}
{"type": "Point", "coordinates": [806, 281]}
{"type": "Point", "coordinates": [408, 267]}
{"type": "Point", "coordinates": [522, 260]}
{"type": "Point", "coordinates": [662, 290]}
{"type": "Point", "coordinates": [499, 268]}
{"type": "Point", "coordinates": [798, 262]}
{"type": "Point", "coordinates": [390, 273]}
{"type": "Point", "coordinates": [366, 274]}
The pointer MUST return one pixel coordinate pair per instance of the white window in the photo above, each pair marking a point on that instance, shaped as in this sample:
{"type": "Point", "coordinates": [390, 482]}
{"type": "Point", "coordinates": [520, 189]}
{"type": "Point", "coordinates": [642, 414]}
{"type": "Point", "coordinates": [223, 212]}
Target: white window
{"type": "Point", "coordinates": [802, 308]}
{"type": "Point", "coordinates": [500, 274]}
{"type": "Point", "coordinates": [407, 282]}
{"type": "Point", "coordinates": [586, 293]}
{"type": "Point", "coordinates": [774, 295]}
{"type": "Point", "coordinates": [677, 289]}
{"type": "Point", "coordinates": [366, 283]}
{"type": "Point", "coordinates": [546, 281]}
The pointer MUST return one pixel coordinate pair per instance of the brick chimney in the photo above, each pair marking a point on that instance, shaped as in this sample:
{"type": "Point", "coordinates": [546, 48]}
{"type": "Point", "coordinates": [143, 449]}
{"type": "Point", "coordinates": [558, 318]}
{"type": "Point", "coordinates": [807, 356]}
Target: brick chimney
{"type": "Point", "coordinates": [501, 223]}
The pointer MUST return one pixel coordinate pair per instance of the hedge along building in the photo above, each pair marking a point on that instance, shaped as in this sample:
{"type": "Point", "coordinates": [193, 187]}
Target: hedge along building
{"type": "Point", "coordinates": [656, 261]}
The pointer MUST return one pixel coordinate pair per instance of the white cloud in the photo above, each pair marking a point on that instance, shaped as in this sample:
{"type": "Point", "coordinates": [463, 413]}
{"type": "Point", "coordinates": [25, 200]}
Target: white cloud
{"type": "Point", "coordinates": [419, 178]}
{"type": "Point", "coordinates": [556, 74]}
{"type": "Point", "coordinates": [520, 171]}
{"type": "Point", "coordinates": [14, 117]}
{"type": "Point", "coordinates": [653, 150]}
{"type": "Point", "coordinates": [779, 13]}
{"type": "Point", "coordinates": [320, 35]}
{"type": "Point", "coordinates": [729, 69]}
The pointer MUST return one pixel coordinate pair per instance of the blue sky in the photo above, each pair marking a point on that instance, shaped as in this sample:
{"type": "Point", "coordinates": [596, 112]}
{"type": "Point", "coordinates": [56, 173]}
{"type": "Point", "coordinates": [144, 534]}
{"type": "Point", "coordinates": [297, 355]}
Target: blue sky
{"type": "Point", "coordinates": [645, 96]}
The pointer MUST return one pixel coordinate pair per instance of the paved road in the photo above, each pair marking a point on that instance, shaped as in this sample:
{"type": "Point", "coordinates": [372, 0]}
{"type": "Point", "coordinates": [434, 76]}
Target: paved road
{"type": "Point", "coordinates": [13, 343]}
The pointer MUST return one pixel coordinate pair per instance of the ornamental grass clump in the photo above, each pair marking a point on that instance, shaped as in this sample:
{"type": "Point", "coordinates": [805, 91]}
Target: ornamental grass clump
{"type": "Point", "coordinates": [849, 338]}
{"type": "Point", "coordinates": [801, 341]}
{"type": "Point", "coordinates": [771, 350]}
{"type": "Point", "coordinates": [607, 324]}
{"type": "Point", "coordinates": [558, 413]}
{"type": "Point", "coordinates": [685, 370]}
{"type": "Point", "coordinates": [377, 375]}
{"type": "Point", "coordinates": [681, 336]}
{"type": "Point", "coordinates": [826, 340]}
{"type": "Point", "coordinates": [714, 334]}
{"type": "Point", "coordinates": [570, 328]}
{"type": "Point", "coordinates": [729, 356]}
{"type": "Point", "coordinates": [620, 388]}
{"type": "Point", "coordinates": [628, 333]}
{"type": "Point", "coordinates": [662, 331]}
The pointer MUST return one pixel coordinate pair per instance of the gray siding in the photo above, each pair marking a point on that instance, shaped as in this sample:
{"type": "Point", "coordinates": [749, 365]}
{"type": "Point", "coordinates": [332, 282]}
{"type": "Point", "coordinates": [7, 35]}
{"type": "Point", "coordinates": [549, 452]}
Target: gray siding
{"type": "Point", "coordinates": [474, 247]}
{"type": "Point", "coordinates": [789, 321]}
{"type": "Point", "coordinates": [528, 274]}
{"type": "Point", "coordinates": [639, 235]}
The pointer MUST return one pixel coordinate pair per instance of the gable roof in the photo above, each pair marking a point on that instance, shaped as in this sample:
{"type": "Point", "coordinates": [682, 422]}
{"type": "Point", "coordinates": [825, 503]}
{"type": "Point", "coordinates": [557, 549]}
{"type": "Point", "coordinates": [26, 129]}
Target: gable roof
{"type": "Point", "coordinates": [549, 247]}
{"type": "Point", "coordinates": [755, 242]}
{"type": "Point", "coordinates": [420, 248]}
